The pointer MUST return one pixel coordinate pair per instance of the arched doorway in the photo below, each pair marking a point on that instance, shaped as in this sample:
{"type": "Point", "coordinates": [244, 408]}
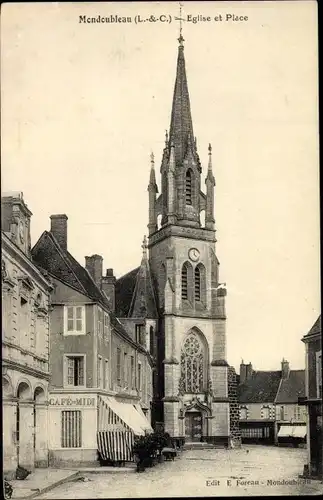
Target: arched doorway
{"type": "Point", "coordinates": [193, 426]}
{"type": "Point", "coordinates": [23, 431]}
{"type": "Point", "coordinates": [196, 421]}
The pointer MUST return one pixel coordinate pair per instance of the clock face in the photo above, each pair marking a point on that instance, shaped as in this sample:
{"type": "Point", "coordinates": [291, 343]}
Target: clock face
{"type": "Point", "coordinates": [21, 232]}
{"type": "Point", "coordinates": [194, 254]}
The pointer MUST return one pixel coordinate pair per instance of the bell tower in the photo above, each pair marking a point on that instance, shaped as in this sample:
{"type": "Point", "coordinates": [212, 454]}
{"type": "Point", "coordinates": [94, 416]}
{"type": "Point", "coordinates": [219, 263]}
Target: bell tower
{"type": "Point", "coordinates": [185, 271]}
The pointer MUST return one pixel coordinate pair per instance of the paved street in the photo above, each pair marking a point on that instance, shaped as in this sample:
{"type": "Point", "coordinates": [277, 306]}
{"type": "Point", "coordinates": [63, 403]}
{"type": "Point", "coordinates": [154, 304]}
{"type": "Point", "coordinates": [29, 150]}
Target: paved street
{"type": "Point", "coordinates": [203, 473]}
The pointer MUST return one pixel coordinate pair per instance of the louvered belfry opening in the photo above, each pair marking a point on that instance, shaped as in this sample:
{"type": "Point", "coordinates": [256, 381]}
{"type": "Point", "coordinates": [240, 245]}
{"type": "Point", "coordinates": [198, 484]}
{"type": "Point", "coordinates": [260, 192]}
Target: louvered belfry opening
{"type": "Point", "coordinates": [184, 282]}
{"type": "Point", "coordinates": [197, 284]}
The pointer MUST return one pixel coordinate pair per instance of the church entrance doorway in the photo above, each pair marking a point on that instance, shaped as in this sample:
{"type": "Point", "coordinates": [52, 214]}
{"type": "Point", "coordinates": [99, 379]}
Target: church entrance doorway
{"type": "Point", "coordinates": [193, 426]}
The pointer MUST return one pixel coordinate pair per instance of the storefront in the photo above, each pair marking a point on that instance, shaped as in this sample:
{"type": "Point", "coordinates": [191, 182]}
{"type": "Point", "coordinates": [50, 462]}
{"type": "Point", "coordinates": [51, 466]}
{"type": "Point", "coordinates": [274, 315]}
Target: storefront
{"type": "Point", "coordinates": [82, 424]}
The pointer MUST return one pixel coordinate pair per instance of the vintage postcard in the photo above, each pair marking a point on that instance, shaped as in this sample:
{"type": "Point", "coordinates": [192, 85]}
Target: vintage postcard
{"type": "Point", "coordinates": [160, 249]}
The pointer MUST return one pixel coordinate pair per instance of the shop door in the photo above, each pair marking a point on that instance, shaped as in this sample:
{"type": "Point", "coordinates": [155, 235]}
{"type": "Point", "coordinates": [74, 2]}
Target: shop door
{"type": "Point", "coordinates": [193, 426]}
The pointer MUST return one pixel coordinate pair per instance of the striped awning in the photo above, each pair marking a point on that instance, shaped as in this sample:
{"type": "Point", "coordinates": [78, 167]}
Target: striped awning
{"type": "Point", "coordinates": [116, 445]}
{"type": "Point", "coordinates": [108, 420]}
{"type": "Point", "coordinates": [144, 422]}
{"type": "Point", "coordinates": [114, 415]}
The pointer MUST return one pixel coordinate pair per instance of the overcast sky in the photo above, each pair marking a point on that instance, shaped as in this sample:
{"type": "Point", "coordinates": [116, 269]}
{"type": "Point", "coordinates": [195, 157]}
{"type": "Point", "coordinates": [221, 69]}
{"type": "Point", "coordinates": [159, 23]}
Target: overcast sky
{"type": "Point", "coordinates": [83, 106]}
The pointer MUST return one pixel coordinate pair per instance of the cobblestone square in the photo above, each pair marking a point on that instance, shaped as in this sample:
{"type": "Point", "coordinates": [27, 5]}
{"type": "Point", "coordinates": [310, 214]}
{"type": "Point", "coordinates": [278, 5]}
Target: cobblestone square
{"type": "Point", "coordinates": [252, 470]}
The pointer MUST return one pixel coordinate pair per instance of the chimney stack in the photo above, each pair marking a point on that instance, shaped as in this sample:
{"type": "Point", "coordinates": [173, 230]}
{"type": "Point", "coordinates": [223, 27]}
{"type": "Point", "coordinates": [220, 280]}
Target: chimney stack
{"type": "Point", "coordinates": [245, 372]}
{"type": "Point", "coordinates": [108, 287]}
{"type": "Point", "coordinates": [93, 265]}
{"type": "Point", "coordinates": [58, 228]}
{"type": "Point", "coordinates": [285, 369]}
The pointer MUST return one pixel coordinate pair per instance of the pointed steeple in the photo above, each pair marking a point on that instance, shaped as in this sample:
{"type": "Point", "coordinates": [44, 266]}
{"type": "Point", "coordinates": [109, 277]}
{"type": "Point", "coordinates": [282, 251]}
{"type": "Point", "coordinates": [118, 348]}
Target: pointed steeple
{"type": "Point", "coordinates": [152, 176]}
{"type": "Point", "coordinates": [181, 127]}
{"type": "Point", "coordinates": [143, 302]}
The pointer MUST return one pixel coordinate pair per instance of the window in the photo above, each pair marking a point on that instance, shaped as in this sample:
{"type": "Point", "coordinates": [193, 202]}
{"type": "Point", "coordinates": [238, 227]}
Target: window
{"type": "Point", "coordinates": [100, 371]}
{"type": "Point", "coordinates": [151, 340]}
{"type": "Point", "coordinates": [188, 188]}
{"type": "Point", "coordinates": [139, 377]}
{"type": "Point", "coordinates": [197, 284]}
{"type": "Point", "coordinates": [192, 364]}
{"type": "Point", "coordinates": [118, 364]}
{"type": "Point", "coordinates": [24, 321]}
{"type": "Point", "coordinates": [139, 334]}
{"type": "Point", "coordinates": [252, 433]}
{"type": "Point", "coordinates": [243, 413]}
{"type": "Point", "coordinates": [319, 374]}
{"type": "Point", "coordinates": [132, 376]}
{"type": "Point", "coordinates": [100, 322]}
{"type": "Point", "coordinates": [125, 368]}
{"type": "Point", "coordinates": [282, 413]}
{"type": "Point", "coordinates": [106, 374]}
{"type": "Point", "coordinates": [184, 282]}
{"type": "Point", "coordinates": [74, 320]}
{"type": "Point", "coordinates": [265, 412]}
{"type": "Point", "coordinates": [75, 370]}
{"type": "Point", "coordinates": [71, 429]}
{"type": "Point", "coordinates": [106, 327]}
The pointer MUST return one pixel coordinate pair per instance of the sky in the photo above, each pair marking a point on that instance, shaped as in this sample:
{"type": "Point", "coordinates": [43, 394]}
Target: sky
{"type": "Point", "coordinates": [85, 104]}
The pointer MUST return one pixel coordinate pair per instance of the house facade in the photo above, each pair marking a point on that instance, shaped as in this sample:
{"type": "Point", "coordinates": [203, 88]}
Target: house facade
{"type": "Point", "coordinates": [313, 399]}
{"type": "Point", "coordinates": [25, 343]}
{"type": "Point", "coordinates": [101, 377]}
{"type": "Point", "coordinates": [269, 409]}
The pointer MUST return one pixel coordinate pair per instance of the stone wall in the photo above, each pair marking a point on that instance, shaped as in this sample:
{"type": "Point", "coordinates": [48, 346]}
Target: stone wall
{"type": "Point", "coordinates": [234, 407]}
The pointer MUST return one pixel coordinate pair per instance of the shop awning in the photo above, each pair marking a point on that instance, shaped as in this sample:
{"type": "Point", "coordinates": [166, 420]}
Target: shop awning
{"type": "Point", "coordinates": [127, 413]}
{"type": "Point", "coordinates": [145, 423]}
{"type": "Point", "coordinates": [116, 445]}
{"type": "Point", "coordinates": [298, 431]}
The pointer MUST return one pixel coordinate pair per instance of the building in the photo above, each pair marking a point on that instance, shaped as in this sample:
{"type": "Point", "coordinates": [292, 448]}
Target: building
{"type": "Point", "coordinates": [182, 273]}
{"type": "Point", "coordinates": [101, 375]}
{"type": "Point", "coordinates": [25, 343]}
{"type": "Point", "coordinates": [269, 409]}
{"type": "Point", "coordinates": [313, 399]}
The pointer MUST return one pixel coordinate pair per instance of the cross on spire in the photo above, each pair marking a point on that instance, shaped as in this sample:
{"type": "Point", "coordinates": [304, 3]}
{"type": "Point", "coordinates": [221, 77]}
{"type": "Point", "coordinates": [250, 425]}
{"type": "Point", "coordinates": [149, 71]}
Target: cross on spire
{"type": "Point", "coordinates": [180, 19]}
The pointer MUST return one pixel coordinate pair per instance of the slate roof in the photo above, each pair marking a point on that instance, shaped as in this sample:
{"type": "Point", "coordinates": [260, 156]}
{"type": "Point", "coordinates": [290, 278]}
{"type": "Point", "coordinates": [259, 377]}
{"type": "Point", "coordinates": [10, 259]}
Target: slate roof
{"type": "Point", "coordinates": [124, 289]}
{"type": "Point", "coordinates": [316, 328]}
{"type": "Point", "coordinates": [292, 388]}
{"type": "Point", "coordinates": [261, 387]}
{"type": "Point", "coordinates": [134, 293]}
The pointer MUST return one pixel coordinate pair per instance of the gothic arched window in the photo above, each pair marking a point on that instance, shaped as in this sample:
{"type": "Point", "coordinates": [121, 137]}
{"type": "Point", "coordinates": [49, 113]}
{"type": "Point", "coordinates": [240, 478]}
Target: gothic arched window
{"type": "Point", "coordinates": [185, 281]}
{"type": "Point", "coordinates": [192, 364]}
{"type": "Point", "coordinates": [188, 187]}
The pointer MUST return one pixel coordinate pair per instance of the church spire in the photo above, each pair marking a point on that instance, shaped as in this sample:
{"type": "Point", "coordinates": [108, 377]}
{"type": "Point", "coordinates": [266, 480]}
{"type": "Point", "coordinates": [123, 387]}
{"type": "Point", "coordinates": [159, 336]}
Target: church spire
{"type": "Point", "coordinates": [181, 127]}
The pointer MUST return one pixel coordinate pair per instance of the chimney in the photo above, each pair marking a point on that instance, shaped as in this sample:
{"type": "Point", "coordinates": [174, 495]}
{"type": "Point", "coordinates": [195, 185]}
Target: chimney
{"type": "Point", "coordinates": [108, 287]}
{"type": "Point", "coordinates": [285, 369]}
{"type": "Point", "coordinates": [58, 228]}
{"type": "Point", "coordinates": [245, 372]}
{"type": "Point", "coordinates": [94, 266]}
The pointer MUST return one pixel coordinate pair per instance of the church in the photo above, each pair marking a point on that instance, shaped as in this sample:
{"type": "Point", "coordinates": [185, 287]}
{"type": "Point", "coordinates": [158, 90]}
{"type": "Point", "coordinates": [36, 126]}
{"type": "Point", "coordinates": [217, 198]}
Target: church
{"type": "Point", "coordinates": [177, 290]}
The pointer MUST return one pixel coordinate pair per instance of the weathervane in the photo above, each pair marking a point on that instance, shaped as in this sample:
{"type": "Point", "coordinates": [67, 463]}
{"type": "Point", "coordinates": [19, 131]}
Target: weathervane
{"type": "Point", "coordinates": [180, 19]}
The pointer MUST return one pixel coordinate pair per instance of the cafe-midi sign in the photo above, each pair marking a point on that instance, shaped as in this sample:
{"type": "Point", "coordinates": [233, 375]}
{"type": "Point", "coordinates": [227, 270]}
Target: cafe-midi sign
{"type": "Point", "coordinates": [72, 402]}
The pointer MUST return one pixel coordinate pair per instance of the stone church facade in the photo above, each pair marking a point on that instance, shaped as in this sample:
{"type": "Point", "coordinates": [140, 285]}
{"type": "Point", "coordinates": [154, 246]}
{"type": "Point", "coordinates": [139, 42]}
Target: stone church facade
{"type": "Point", "coordinates": [185, 299]}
